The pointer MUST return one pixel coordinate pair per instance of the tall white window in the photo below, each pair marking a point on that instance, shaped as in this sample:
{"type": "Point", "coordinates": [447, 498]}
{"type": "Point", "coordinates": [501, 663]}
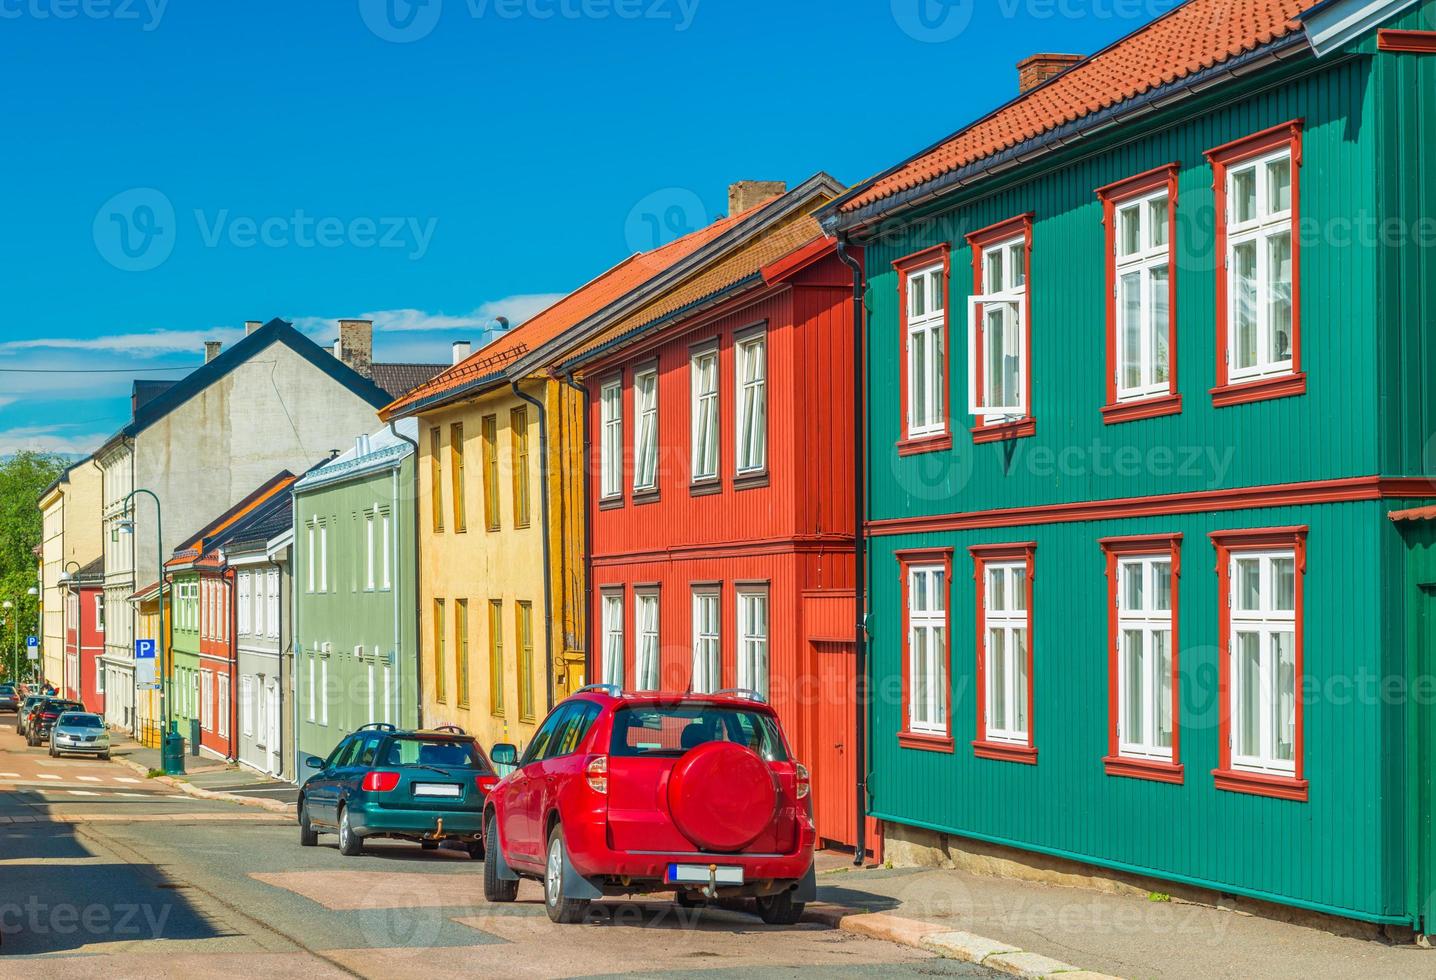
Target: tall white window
{"type": "Point", "coordinates": [368, 685]}
{"type": "Point", "coordinates": [613, 639]}
{"type": "Point", "coordinates": [707, 665]}
{"type": "Point", "coordinates": [384, 521]}
{"type": "Point", "coordinates": [752, 401]}
{"type": "Point", "coordinates": [369, 543]}
{"type": "Point", "coordinates": [246, 594]}
{"type": "Point", "coordinates": [324, 690]}
{"type": "Point", "coordinates": [927, 648]}
{"type": "Point", "coordinates": [206, 702]}
{"type": "Point", "coordinates": [1005, 641]}
{"type": "Point", "coordinates": [1144, 657]}
{"type": "Point", "coordinates": [246, 706]}
{"type": "Point", "coordinates": [272, 601]}
{"type": "Point", "coordinates": [997, 334]}
{"type": "Point", "coordinates": [703, 371]}
{"type": "Point", "coordinates": [311, 558]}
{"type": "Point", "coordinates": [261, 602]}
{"type": "Point", "coordinates": [1263, 661]}
{"type": "Point", "coordinates": [222, 708]}
{"type": "Point", "coordinates": [99, 613]}
{"type": "Point", "coordinates": [753, 640]}
{"type": "Point", "coordinates": [313, 693]}
{"type": "Point", "coordinates": [645, 429]}
{"type": "Point", "coordinates": [323, 557]}
{"type": "Point", "coordinates": [926, 351]}
{"type": "Point", "coordinates": [646, 648]}
{"type": "Point", "coordinates": [391, 712]}
{"type": "Point", "coordinates": [1259, 264]}
{"type": "Point", "coordinates": [611, 405]}
{"type": "Point", "coordinates": [1142, 291]}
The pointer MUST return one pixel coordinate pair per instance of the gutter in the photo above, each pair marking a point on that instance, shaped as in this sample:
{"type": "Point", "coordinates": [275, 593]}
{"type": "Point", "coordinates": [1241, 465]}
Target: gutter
{"type": "Point", "coordinates": [398, 566]}
{"type": "Point", "coordinates": [588, 624]}
{"type": "Point", "coordinates": [547, 546]}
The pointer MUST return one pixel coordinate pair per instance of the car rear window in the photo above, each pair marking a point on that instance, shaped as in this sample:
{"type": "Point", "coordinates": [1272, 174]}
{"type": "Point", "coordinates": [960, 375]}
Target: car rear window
{"type": "Point", "coordinates": [406, 750]}
{"type": "Point", "coordinates": [671, 730]}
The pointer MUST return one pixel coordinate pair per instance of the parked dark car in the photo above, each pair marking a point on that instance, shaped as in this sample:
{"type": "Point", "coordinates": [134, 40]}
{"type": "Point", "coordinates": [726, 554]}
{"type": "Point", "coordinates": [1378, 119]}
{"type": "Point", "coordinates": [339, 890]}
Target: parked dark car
{"type": "Point", "coordinates": [424, 786]}
{"type": "Point", "coordinates": [43, 716]}
{"type": "Point", "coordinates": [22, 716]}
{"type": "Point", "coordinates": [9, 699]}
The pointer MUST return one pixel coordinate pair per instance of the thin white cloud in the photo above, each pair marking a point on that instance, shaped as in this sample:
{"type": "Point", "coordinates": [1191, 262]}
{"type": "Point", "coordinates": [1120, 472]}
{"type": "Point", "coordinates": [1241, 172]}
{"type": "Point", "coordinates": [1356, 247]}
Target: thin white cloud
{"type": "Point", "coordinates": [152, 343]}
{"type": "Point", "coordinates": [44, 439]}
{"type": "Point", "coordinates": [516, 309]}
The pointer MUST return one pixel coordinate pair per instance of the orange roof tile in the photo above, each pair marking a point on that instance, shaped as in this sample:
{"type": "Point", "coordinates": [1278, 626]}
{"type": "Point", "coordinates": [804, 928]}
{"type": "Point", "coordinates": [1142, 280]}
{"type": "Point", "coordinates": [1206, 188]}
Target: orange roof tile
{"type": "Point", "coordinates": [577, 306]}
{"type": "Point", "coordinates": [1187, 39]}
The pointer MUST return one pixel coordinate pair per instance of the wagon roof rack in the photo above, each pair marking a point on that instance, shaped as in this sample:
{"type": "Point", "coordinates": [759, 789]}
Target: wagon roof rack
{"type": "Point", "coordinates": [742, 692]}
{"type": "Point", "coordinates": [377, 726]}
{"type": "Point", "coordinates": [610, 689]}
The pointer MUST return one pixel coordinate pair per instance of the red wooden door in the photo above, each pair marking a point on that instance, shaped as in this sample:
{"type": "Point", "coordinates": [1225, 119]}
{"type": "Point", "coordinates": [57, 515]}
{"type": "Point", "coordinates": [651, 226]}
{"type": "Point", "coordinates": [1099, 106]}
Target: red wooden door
{"type": "Point", "coordinates": [832, 737]}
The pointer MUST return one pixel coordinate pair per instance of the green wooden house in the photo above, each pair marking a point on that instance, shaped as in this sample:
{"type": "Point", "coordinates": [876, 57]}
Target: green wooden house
{"type": "Point", "coordinates": [355, 592]}
{"type": "Point", "coordinates": [1148, 358]}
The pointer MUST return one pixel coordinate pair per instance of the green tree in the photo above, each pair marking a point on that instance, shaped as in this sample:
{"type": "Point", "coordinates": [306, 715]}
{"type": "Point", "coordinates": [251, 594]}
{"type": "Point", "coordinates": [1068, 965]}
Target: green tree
{"type": "Point", "coordinates": [22, 479]}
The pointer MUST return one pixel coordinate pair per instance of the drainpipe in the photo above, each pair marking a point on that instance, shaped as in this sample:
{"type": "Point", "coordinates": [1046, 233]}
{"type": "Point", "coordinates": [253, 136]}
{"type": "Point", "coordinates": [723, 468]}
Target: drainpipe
{"type": "Point", "coordinates": [418, 612]}
{"type": "Point", "coordinates": [860, 664]}
{"type": "Point", "coordinates": [587, 532]}
{"type": "Point", "coordinates": [228, 577]}
{"type": "Point", "coordinates": [547, 548]}
{"type": "Point", "coordinates": [279, 649]}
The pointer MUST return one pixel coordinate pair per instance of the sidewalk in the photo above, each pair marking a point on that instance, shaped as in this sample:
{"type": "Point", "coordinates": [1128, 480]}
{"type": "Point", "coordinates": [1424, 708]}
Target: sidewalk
{"type": "Point", "coordinates": [1121, 935]}
{"type": "Point", "coordinates": [212, 775]}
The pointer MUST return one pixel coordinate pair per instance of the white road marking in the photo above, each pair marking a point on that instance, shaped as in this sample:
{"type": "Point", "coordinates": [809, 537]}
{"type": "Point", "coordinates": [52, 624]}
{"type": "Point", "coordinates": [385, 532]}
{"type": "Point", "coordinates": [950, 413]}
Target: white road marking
{"type": "Point", "coordinates": [88, 779]}
{"type": "Point", "coordinates": [81, 792]}
{"type": "Point", "coordinates": [127, 779]}
{"type": "Point", "coordinates": [46, 775]}
{"type": "Point", "coordinates": [9, 775]}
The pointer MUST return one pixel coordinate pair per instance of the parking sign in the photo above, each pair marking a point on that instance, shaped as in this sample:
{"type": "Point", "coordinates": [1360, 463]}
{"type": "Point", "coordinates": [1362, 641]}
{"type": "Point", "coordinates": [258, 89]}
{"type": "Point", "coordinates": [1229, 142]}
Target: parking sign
{"type": "Point", "coordinates": [32, 647]}
{"type": "Point", "coordinates": [146, 652]}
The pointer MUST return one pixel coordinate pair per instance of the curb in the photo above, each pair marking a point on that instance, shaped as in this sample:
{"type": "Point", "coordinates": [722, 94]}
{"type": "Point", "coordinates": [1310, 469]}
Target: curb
{"type": "Point", "coordinates": [949, 944]}
{"type": "Point", "coordinates": [274, 806]}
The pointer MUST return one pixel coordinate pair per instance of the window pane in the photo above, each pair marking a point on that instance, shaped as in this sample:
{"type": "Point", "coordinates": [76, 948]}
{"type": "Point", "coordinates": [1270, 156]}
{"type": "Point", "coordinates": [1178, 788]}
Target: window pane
{"type": "Point", "coordinates": [1162, 653]}
{"type": "Point", "coordinates": [1162, 585]}
{"type": "Point", "coordinates": [1132, 586]}
{"type": "Point", "coordinates": [993, 280]}
{"type": "Point", "coordinates": [1284, 724]}
{"type": "Point", "coordinates": [1131, 306]}
{"type": "Point", "coordinates": [1134, 724]}
{"type": "Point", "coordinates": [937, 300]}
{"type": "Point", "coordinates": [1244, 194]}
{"type": "Point", "coordinates": [937, 670]}
{"type": "Point", "coordinates": [938, 579]}
{"type": "Point", "coordinates": [995, 339]}
{"type": "Point", "coordinates": [996, 589]}
{"type": "Point", "coordinates": [1247, 723]}
{"type": "Point", "coordinates": [1018, 597]}
{"type": "Point", "coordinates": [1157, 213]}
{"type": "Point", "coordinates": [917, 297]}
{"type": "Point", "coordinates": [1019, 674]}
{"type": "Point", "coordinates": [1160, 321]}
{"type": "Point", "coordinates": [1278, 186]}
{"type": "Point", "coordinates": [936, 383]}
{"type": "Point", "coordinates": [997, 680]}
{"type": "Point", "coordinates": [1129, 230]}
{"type": "Point", "coordinates": [1248, 584]}
{"type": "Point", "coordinates": [1017, 254]}
{"type": "Point", "coordinates": [1244, 270]}
{"type": "Point", "coordinates": [917, 377]}
{"type": "Point", "coordinates": [917, 599]}
{"type": "Point", "coordinates": [1278, 256]}
{"type": "Point", "coordinates": [918, 669]}
{"type": "Point", "coordinates": [1283, 574]}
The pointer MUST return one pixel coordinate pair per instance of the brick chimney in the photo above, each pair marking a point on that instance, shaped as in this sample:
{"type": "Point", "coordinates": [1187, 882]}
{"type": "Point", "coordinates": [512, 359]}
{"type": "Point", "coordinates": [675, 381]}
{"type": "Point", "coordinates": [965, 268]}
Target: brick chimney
{"type": "Point", "coordinates": [1033, 71]}
{"type": "Point", "coordinates": [356, 345]}
{"type": "Point", "coordinates": [746, 193]}
{"type": "Point", "coordinates": [250, 326]}
{"type": "Point", "coordinates": [212, 349]}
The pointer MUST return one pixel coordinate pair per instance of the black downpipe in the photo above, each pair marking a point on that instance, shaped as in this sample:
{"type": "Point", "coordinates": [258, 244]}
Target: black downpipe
{"type": "Point", "coordinates": [547, 549]}
{"type": "Point", "coordinates": [860, 637]}
{"type": "Point", "coordinates": [587, 531]}
{"type": "Point", "coordinates": [418, 599]}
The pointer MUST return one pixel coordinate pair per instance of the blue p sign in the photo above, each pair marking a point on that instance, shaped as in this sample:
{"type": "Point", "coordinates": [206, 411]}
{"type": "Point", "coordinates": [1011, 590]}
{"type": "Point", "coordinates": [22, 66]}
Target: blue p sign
{"type": "Point", "coordinates": [32, 641]}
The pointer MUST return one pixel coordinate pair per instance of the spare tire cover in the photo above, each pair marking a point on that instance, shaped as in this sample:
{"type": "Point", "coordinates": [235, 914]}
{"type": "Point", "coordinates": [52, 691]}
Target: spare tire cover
{"type": "Point", "coordinates": [721, 795]}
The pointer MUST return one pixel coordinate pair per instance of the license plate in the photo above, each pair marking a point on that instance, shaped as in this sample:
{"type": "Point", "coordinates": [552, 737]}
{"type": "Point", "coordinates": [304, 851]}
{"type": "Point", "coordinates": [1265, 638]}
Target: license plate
{"type": "Point", "coordinates": [697, 874]}
{"type": "Point", "coordinates": [437, 789]}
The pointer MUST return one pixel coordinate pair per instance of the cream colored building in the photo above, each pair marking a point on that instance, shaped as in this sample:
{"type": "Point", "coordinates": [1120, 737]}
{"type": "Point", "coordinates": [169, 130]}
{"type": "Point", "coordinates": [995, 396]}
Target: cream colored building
{"type": "Point", "coordinates": [71, 537]}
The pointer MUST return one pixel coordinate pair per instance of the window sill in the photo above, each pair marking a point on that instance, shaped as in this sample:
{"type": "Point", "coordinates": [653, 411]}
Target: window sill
{"type": "Point", "coordinates": [1143, 408]}
{"type": "Point", "coordinates": [938, 442]}
{"type": "Point", "coordinates": [1162, 772]}
{"type": "Point", "coordinates": [1241, 392]}
{"type": "Point", "coordinates": [1001, 431]}
{"type": "Point", "coordinates": [926, 741]}
{"type": "Point", "coordinates": [610, 503]}
{"type": "Point", "coordinates": [747, 481]}
{"type": "Point", "coordinates": [1005, 752]}
{"type": "Point", "coordinates": [1261, 784]}
{"type": "Point", "coordinates": [705, 488]}
{"type": "Point", "coordinates": [645, 496]}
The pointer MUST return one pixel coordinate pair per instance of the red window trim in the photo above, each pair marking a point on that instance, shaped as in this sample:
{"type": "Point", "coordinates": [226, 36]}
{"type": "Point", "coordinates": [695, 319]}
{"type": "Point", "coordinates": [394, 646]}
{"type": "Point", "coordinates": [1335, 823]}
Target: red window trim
{"type": "Point", "coordinates": [905, 266]}
{"type": "Point", "coordinates": [907, 738]}
{"type": "Point", "coordinates": [1114, 762]}
{"type": "Point", "coordinates": [1414, 42]}
{"type": "Point", "coordinates": [1021, 225]}
{"type": "Point", "coordinates": [982, 747]}
{"type": "Point", "coordinates": [1292, 787]}
{"type": "Point", "coordinates": [1111, 197]}
{"type": "Point", "coordinates": [1226, 392]}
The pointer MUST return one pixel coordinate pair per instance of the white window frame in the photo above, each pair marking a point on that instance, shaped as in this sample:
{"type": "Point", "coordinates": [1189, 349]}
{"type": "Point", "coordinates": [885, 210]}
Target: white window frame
{"type": "Point", "coordinates": [386, 520]}
{"type": "Point", "coordinates": [754, 639]}
{"type": "Point", "coordinates": [272, 617]}
{"type": "Point", "coordinates": [647, 648]}
{"type": "Point", "coordinates": [611, 447]}
{"type": "Point", "coordinates": [369, 550]}
{"type": "Point", "coordinates": [645, 429]}
{"type": "Point", "coordinates": [1149, 622]}
{"type": "Point", "coordinates": [613, 638]}
{"type": "Point", "coordinates": [750, 401]}
{"type": "Point", "coordinates": [1267, 622]}
{"type": "Point", "coordinates": [246, 601]}
{"type": "Point", "coordinates": [246, 706]}
{"type": "Point", "coordinates": [260, 603]}
{"type": "Point", "coordinates": [1012, 621]}
{"type": "Point", "coordinates": [99, 612]}
{"type": "Point", "coordinates": [390, 713]}
{"type": "Point", "coordinates": [324, 556]}
{"type": "Point", "coordinates": [707, 640]}
{"type": "Point", "coordinates": [324, 690]}
{"type": "Point", "coordinates": [927, 660]}
{"type": "Point", "coordinates": [704, 452]}
{"type": "Point", "coordinates": [1013, 300]}
{"type": "Point", "coordinates": [929, 329]}
{"type": "Point", "coordinates": [1261, 229]}
{"type": "Point", "coordinates": [206, 700]}
{"type": "Point", "coordinates": [222, 708]}
{"type": "Point", "coordinates": [310, 558]}
{"type": "Point", "coordinates": [1149, 257]}
{"type": "Point", "coordinates": [313, 695]}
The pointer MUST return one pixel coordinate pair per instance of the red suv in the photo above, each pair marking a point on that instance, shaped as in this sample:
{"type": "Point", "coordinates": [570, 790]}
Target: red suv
{"type": "Point", "coordinates": [622, 793]}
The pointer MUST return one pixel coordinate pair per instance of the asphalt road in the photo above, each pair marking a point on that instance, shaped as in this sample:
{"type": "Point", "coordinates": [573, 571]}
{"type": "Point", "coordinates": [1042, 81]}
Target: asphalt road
{"type": "Point", "coordinates": [107, 874]}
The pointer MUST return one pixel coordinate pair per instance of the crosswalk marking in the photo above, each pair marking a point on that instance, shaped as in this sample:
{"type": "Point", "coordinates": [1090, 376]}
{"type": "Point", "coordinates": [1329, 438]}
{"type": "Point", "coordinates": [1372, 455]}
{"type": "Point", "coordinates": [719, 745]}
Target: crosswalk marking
{"type": "Point", "coordinates": [46, 775]}
{"type": "Point", "coordinates": [127, 779]}
{"type": "Point", "coordinates": [9, 775]}
{"type": "Point", "coordinates": [81, 792]}
{"type": "Point", "coordinates": [88, 779]}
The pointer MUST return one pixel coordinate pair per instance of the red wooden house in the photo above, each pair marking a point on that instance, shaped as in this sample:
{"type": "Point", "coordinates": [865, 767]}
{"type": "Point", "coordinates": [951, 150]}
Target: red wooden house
{"type": "Point", "coordinates": [85, 635]}
{"type": "Point", "coordinates": [721, 501]}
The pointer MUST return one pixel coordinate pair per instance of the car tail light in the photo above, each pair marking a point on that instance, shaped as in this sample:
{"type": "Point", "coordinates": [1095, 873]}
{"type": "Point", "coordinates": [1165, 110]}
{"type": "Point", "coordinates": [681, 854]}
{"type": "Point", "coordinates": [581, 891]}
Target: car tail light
{"type": "Point", "coordinates": [804, 786]}
{"type": "Point", "coordinates": [596, 772]}
{"type": "Point", "coordinates": [486, 784]}
{"type": "Point", "coordinates": [380, 782]}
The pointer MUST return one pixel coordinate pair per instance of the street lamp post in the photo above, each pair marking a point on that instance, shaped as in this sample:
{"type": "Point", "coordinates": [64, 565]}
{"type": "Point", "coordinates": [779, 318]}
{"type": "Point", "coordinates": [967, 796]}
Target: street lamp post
{"type": "Point", "coordinates": [127, 526]}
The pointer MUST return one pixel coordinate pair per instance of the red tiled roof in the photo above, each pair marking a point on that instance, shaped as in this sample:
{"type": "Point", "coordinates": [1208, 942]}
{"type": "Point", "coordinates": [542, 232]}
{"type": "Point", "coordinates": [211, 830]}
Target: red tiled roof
{"type": "Point", "coordinates": [577, 306]}
{"type": "Point", "coordinates": [190, 551]}
{"type": "Point", "coordinates": [1188, 39]}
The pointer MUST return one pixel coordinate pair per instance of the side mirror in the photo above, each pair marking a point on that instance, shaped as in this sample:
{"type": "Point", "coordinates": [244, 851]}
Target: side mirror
{"type": "Point", "coordinates": [313, 762]}
{"type": "Point", "coordinates": [504, 754]}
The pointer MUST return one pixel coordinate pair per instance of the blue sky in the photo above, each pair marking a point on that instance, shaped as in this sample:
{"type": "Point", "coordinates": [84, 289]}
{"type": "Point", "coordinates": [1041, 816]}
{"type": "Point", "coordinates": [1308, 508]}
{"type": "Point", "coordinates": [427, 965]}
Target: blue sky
{"type": "Point", "coordinates": [171, 169]}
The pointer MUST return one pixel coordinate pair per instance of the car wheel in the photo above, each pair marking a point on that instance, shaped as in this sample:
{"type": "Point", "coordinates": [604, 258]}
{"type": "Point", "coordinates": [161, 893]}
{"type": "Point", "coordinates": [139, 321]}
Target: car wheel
{"type": "Point", "coordinates": [53, 753]}
{"type": "Point", "coordinates": [560, 909]}
{"type": "Point", "coordinates": [350, 843]}
{"type": "Point", "coordinates": [308, 836]}
{"type": "Point", "coordinates": [429, 845]}
{"type": "Point", "coordinates": [496, 889]}
{"type": "Point", "coordinates": [780, 909]}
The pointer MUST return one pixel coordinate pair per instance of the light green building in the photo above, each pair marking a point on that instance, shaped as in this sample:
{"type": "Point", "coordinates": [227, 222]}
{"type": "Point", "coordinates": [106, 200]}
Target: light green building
{"type": "Point", "coordinates": [355, 592]}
